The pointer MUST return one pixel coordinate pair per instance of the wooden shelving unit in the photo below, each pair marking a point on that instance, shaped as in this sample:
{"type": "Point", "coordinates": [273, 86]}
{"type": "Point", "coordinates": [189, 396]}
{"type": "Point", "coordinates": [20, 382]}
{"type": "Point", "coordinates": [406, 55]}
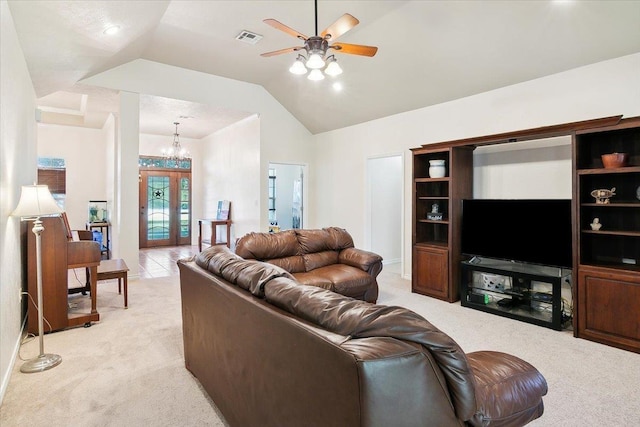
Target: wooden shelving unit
{"type": "Point", "coordinates": [607, 296]}
{"type": "Point", "coordinates": [436, 242]}
{"type": "Point", "coordinates": [606, 266]}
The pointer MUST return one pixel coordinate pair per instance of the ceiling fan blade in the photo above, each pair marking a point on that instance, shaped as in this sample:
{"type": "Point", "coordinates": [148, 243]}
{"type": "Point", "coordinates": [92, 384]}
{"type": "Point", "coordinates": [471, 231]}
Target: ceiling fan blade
{"type": "Point", "coordinates": [281, 51]}
{"type": "Point", "coordinates": [355, 49]}
{"type": "Point", "coordinates": [280, 26]}
{"type": "Point", "coordinates": [341, 26]}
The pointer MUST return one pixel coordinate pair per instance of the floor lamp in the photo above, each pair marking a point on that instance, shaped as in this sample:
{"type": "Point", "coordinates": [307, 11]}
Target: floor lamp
{"type": "Point", "coordinates": [37, 201]}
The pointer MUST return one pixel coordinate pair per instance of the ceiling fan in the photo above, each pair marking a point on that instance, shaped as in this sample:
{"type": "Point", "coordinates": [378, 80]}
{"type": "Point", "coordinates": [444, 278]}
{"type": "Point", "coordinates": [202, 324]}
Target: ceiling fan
{"type": "Point", "coordinates": [317, 46]}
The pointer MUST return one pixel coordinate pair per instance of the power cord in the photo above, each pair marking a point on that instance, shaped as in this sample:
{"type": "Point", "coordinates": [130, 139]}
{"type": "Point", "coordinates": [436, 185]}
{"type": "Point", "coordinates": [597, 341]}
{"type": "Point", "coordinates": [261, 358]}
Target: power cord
{"type": "Point", "coordinates": [30, 337]}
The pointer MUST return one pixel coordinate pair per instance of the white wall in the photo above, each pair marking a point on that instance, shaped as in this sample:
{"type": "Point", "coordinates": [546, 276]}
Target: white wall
{"type": "Point", "coordinates": [84, 152]}
{"type": "Point", "coordinates": [17, 167]}
{"type": "Point", "coordinates": [231, 171]}
{"type": "Point", "coordinates": [523, 170]}
{"type": "Point", "coordinates": [600, 90]}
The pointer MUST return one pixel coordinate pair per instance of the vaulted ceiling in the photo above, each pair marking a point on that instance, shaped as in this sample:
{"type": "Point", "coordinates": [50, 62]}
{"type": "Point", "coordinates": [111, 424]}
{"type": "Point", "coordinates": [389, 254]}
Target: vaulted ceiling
{"type": "Point", "coordinates": [429, 52]}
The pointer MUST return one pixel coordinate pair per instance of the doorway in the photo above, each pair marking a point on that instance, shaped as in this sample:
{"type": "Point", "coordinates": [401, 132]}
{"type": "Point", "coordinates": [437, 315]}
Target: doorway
{"type": "Point", "coordinates": [286, 196]}
{"type": "Point", "coordinates": [385, 201]}
{"type": "Point", "coordinates": [165, 208]}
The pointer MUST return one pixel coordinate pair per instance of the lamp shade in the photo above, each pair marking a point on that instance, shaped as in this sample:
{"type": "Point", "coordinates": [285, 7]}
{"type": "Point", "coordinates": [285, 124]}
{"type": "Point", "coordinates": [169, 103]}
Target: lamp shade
{"type": "Point", "coordinates": [35, 201]}
{"type": "Point", "coordinates": [298, 67]}
{"type": "Point", "coordinates": [333, 69]}
{"type": "Point", "coordinates": [315, 61]}
{"type": "Point", "coordinates": [315, 75]}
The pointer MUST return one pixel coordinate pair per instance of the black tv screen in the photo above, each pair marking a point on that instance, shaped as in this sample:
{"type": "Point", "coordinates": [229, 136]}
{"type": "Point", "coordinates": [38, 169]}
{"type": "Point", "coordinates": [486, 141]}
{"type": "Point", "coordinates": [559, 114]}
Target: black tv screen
{"type": "Point", "coordinates": [536, 231]}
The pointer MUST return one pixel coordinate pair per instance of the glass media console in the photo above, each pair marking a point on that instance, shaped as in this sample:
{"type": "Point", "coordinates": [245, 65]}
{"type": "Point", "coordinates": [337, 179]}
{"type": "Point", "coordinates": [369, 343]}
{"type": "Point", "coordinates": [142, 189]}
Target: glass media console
{"type": "Point", "coordinates": [526, 292]}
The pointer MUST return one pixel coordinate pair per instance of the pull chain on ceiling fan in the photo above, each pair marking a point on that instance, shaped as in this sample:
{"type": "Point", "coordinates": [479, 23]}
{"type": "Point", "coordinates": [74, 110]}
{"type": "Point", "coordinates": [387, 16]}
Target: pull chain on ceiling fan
{"type": "Point", "coordinates": [317, 46]}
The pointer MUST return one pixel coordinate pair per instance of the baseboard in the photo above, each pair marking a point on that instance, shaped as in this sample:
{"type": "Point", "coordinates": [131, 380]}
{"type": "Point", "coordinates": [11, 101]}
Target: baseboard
{"type": "Point", "coordinates": [14, 357]}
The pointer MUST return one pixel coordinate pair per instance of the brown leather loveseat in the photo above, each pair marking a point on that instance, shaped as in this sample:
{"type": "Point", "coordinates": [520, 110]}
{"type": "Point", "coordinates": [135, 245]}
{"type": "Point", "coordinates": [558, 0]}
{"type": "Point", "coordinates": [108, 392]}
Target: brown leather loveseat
{"type": "Point", "coordinates": [325, 258]}
{"type": "Point", "coordinates": [272, 352]}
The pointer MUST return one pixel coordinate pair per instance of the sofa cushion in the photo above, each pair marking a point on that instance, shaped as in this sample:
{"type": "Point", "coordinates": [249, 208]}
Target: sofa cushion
{"type": "Point", "coordinates": [312, 279]}
{"type": "Point", "coordinates": [249, 275]}
{"type": "Point", "coordinates": [319, 259]}
{"type": "Point", "coordinates": [312, 241]}
{"type": "Point", "coordinates": [339, 238]}
{"type": "Point", "coordinates": [359, 319]}
{"type": "Point", "coordinates": [344, 279]}
{"type": "Point", "coordinates": [292, 264]}
{"type": "Point", "coordinates": [266, 246]}
{"type": "Point", "coordinates": [509, 390]}
{"type": "Point", "coordinates": [216, 258]}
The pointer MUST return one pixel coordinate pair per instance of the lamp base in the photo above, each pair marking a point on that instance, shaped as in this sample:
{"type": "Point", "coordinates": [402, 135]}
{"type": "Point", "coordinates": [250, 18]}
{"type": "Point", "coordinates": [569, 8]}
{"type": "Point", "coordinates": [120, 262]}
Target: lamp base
{"type": "Point", "coordinates": [40, 363]}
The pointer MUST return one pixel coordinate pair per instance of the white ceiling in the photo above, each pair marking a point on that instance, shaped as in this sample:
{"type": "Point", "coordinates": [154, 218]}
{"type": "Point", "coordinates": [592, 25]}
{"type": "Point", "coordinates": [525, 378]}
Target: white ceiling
{"type": "Point", "coordinates": [429, 52]}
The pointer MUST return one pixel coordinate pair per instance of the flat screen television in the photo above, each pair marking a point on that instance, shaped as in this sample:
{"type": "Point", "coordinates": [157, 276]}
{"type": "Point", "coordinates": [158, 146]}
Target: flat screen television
{"type": "Point", "coordinates": [536, 231]}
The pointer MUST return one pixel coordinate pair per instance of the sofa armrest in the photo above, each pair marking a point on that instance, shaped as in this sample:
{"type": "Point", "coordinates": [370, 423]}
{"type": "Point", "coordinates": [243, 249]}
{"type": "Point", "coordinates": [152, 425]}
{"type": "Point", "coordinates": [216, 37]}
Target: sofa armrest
{"type": "Point", "coordinates": [364, 260]}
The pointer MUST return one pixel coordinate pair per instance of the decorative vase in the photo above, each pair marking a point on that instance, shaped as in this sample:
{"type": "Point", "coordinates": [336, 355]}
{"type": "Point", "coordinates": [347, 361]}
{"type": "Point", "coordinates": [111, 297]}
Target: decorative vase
{"type": "Point", "coordinates": [436, 168]}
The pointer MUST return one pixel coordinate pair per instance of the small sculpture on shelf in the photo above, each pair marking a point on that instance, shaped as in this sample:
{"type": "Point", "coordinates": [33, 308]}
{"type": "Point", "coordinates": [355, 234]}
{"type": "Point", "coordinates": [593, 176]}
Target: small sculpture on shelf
{"type": "Point", "coordinates": [602, 196]}
{"type": "Point", "coordinates": [596, 225]}
{"type": "Point", "coordinates": [435, 214]}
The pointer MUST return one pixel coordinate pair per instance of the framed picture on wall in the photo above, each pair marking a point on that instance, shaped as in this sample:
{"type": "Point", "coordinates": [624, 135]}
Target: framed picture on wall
{"type": "Point", "coordinates": [223, 210]}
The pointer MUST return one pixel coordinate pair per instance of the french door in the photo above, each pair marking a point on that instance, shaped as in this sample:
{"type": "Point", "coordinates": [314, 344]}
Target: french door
{"type": "Point", "coordinates": [165, 208]}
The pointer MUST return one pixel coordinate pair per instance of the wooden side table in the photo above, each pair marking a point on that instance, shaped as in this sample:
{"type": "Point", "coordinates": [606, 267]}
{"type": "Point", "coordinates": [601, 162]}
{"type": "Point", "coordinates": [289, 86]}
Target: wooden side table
{"type": "Point", "coordinates": [214, 240]}
{"type": "Point", "coordinates": [115, 269]}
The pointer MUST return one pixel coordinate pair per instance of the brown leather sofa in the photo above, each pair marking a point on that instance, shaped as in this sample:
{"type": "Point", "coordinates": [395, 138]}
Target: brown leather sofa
{"type": "Point", "coordinates": [324, 257]}
{"type": "Point", "coordinates": [272, 352]}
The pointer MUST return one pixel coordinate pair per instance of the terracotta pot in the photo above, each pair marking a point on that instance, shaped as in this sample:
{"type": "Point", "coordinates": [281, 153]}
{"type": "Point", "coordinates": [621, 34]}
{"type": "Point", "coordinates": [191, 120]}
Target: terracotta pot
{"type": "Point", "coordinates": [614, 160]}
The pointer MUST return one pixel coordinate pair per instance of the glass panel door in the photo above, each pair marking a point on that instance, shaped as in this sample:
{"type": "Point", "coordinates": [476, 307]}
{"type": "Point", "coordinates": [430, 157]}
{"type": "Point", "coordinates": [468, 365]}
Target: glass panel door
{"type": "Point", "coordinates": [165, 208]}
{"type": "Point", "coordinates": [184, 235]}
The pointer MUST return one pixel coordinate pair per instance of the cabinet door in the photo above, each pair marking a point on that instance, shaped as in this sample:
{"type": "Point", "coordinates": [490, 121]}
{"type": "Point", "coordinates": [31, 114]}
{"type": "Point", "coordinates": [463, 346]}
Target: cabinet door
{"type": "Point", "coordinates": [609, 302]}
{"type": "Point", "coordinates": [431, 272]}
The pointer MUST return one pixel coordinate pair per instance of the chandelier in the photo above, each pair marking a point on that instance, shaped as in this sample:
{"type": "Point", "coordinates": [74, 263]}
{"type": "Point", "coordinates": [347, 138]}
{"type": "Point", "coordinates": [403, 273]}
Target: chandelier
{"type": "Point", "coordinates": [176, 152]}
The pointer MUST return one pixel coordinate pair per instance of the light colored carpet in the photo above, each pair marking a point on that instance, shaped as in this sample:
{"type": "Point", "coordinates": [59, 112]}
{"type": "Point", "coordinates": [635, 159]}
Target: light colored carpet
{"type": "Point", "coordinates": [128, 369]}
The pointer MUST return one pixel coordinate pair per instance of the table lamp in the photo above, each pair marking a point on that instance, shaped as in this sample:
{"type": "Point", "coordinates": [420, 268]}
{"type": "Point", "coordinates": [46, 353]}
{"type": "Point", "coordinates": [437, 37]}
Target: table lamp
{"type": "Point", "coordinates": [36, 201]}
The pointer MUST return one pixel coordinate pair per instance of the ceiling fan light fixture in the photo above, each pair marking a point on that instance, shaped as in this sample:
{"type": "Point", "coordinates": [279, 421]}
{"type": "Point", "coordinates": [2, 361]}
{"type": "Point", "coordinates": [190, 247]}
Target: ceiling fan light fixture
{"type": "Point", "coordinates": [333, 69]}
{"type": "Point", "coordinates": [298, 67]}
{"type": "Point", "coordinates": [315, 61]}
{"type": "Point", "coordinates": [315, 75]}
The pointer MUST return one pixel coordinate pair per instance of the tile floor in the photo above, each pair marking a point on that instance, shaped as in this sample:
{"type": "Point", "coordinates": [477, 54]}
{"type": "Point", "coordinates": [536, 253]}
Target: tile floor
{"type": "Point", "coordinates": [161, 261]}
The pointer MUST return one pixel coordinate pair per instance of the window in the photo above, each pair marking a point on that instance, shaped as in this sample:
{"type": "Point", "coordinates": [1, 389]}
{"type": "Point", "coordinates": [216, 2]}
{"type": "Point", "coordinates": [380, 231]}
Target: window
{"type": "Point", "coordinates": [52, 172]}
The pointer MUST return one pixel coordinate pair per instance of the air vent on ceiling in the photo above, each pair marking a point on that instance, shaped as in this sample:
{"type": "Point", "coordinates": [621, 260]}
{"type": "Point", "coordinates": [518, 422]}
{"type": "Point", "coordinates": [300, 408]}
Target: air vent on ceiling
{"type": "Point", "coordinates": [248, 37]}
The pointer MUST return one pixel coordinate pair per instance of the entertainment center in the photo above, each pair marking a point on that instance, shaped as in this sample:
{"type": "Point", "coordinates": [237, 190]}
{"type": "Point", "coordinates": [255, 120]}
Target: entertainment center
{"type": "Point", "coordinates": [594, 244]}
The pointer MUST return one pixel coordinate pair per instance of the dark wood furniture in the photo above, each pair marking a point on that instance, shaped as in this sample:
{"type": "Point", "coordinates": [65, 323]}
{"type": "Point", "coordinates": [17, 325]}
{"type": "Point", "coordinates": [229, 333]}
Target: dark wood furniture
{"type": "Point", "coordinates": [436, 238]}
{"type": "Point", "coordinates": [213, 240]}
{"type": "Point", "coordinates": [58, 255]}
{"type": "Point", "coordinates": [115, 269]}
{"type": "Point", "coordinates": [608, 260]}
{"type": "Point", "coordinates": [533, 293]}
